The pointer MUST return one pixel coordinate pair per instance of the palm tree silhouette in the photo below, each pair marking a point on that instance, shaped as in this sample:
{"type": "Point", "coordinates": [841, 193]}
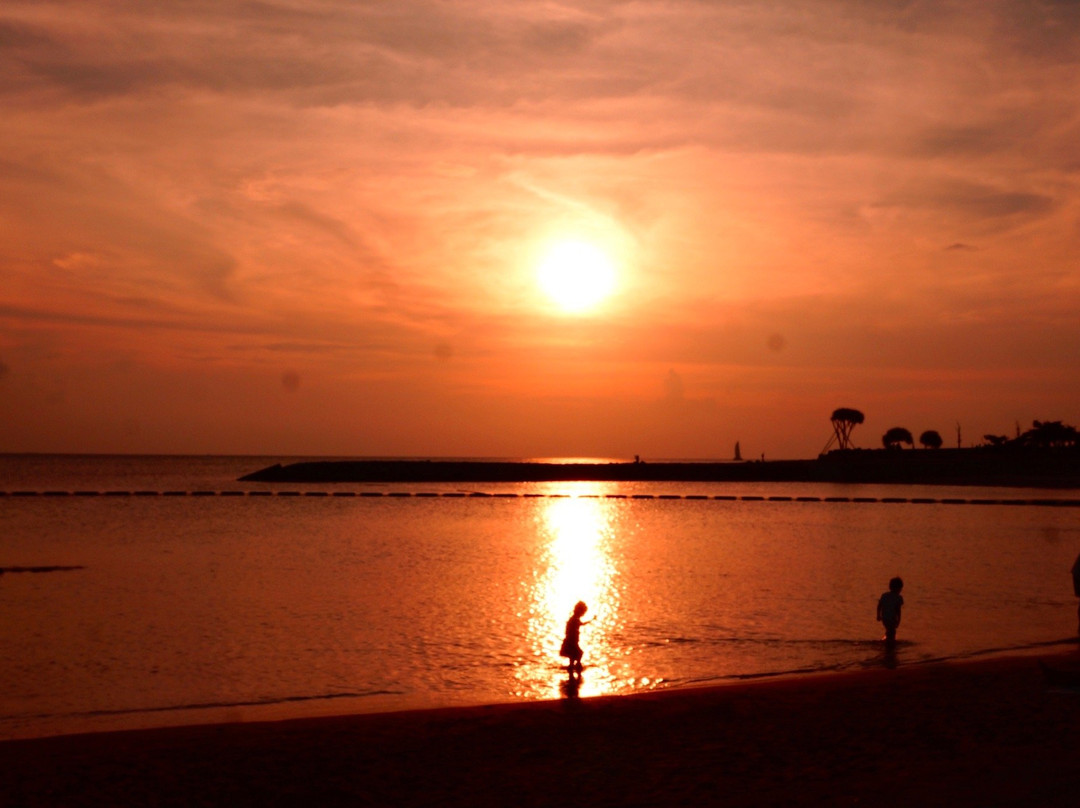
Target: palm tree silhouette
{"type": "Point", "coordinates": [844, 420]}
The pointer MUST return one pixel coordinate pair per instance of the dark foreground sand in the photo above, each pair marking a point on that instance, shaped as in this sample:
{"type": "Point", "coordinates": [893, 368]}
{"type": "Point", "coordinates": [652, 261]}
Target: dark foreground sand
{"type": "Point", "coordinates": [979, 733]}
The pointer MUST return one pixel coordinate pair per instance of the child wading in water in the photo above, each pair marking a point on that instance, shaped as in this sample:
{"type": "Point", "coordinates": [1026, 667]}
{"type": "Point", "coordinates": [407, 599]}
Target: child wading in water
{"type": "Point", "coordinates": [888, 610]}
{"type": "Point", "coordinates": [570, 647]}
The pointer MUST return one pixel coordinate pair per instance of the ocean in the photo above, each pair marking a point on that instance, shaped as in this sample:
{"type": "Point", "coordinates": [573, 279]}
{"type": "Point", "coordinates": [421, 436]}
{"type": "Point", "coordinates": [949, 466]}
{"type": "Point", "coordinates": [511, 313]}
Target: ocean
{"type": "Point", "coordinates": [167, 592]}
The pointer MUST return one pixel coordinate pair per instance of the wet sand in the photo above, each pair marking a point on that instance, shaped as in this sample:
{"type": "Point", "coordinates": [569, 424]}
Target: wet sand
{"type": "Point", "coordinates": [987, 732]}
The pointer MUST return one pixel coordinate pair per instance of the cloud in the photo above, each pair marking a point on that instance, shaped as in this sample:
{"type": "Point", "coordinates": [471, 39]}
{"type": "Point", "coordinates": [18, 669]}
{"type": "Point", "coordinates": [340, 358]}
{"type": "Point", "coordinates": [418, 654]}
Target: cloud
{"type": "Point", "coordinates": [354, 188]}
{"type": "Point", "coordinates": [416, 53]}
{"type": "Point", "coordinates": [15, 35]}
{"type": "Point", "coordinates": [971, 201]}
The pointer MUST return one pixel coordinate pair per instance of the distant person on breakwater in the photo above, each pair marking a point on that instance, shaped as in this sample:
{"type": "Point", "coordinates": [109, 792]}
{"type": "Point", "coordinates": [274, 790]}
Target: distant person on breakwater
{"type": "Point", "coordinates": [1076, 588]}
{"type": "Point", "coordinates": [888, 610]}
{"type": "Point", "coordinates": [571, 648]}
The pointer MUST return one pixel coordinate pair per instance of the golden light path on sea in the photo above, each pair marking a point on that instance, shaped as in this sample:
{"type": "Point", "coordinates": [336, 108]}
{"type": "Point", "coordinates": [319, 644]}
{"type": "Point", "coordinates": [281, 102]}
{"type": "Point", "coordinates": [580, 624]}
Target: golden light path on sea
{"type": "Point", "coordinates": [577, 561]}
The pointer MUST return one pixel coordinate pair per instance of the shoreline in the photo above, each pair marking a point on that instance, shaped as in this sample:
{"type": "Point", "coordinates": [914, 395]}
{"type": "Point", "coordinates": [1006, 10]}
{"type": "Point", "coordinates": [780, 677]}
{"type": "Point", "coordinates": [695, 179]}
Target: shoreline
{"type": "Point", "coordinates": [99, 722]}
{"type": "Point", "coordinates": [983, 731]}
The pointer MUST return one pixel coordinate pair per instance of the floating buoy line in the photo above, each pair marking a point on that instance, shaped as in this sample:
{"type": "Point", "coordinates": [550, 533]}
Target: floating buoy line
{"type": "Point", "coordinates": [1058, 503]}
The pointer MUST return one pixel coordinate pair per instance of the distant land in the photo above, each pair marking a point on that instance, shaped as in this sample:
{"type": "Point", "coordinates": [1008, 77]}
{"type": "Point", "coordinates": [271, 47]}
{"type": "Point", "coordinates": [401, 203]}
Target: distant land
{"type": "Point", "coordinates": [982, 466]}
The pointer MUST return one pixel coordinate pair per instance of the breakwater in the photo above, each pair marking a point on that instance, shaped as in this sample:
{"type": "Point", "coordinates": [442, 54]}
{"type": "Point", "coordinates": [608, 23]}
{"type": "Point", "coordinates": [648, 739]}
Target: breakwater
{"type": "Point", "coordinates": [1043, 469]}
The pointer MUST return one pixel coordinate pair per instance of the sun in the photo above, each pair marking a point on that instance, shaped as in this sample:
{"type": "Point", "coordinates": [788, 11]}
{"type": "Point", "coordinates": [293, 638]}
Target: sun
{"type": "Point", "coordinates": [576, 276]}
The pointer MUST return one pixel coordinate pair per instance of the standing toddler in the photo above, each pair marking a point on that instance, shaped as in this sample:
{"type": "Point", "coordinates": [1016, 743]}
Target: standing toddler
{"type": "Point", "coordinates": [888, 610]}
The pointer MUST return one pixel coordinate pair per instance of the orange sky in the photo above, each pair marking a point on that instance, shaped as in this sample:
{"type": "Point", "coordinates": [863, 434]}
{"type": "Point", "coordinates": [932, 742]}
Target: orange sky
{"type": "Point", "coordinates": [312, 226]}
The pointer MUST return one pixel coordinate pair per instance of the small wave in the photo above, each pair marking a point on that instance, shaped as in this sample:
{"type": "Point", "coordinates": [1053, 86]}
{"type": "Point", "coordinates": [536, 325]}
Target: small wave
{"type": "Point", "coordinates": [209, 705]}
{"type": "Point", "coordinates": [674, 641]}
{"type": "Point", "coordinates": [869, 663]}
{"type": "Point", "coordinates": [1005, 649]}
{"type": "Point", "coordinates": [771, 642]}
{"type": "Point", "coordinates": [754, 676]}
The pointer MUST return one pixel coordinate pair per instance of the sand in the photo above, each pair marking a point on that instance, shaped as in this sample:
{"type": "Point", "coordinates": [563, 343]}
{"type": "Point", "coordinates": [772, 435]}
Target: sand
{"type": "Point", "coordinates": [987, 732]}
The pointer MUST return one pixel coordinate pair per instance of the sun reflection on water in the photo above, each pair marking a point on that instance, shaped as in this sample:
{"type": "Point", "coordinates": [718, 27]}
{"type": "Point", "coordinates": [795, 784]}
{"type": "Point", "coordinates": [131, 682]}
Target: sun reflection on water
{"type": "Point", "coordinates": [576, 536]}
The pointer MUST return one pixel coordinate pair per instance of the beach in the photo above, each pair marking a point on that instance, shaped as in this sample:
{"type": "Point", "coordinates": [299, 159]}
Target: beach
{"type": "Point", "coordinates": [982, 732]}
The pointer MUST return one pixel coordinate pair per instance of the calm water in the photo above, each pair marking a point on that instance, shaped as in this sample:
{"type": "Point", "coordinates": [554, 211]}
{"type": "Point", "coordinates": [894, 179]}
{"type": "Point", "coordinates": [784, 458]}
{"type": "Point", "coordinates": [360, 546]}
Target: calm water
{"type": "Point", "coordinates": [246, 607]}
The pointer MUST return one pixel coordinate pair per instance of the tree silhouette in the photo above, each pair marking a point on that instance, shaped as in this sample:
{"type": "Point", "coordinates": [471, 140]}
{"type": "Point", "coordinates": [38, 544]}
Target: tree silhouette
{"type": "Point", "coordinates": [930, 439]}
{"type": "Point", "coordinates": [895, 436]}
{"type": "Point", "coordinates": [1050, 434]}
{"type": "Point", "coordinates": [844, 420]}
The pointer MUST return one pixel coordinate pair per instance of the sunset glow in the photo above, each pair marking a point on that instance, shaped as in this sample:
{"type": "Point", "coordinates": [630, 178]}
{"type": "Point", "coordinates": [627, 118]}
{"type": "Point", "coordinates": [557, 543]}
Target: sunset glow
{"type": "Point", "coordinates": [490, 229]}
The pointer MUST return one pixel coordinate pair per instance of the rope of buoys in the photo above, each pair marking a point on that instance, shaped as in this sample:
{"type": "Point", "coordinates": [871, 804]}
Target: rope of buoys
{"type": "Point", "coordinates": [1048, 503]}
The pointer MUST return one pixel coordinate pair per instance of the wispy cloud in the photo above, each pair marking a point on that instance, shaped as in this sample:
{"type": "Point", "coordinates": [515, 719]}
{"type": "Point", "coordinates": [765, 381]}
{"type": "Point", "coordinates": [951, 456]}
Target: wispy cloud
{"type": "Point", "coordinates": [359, 190]}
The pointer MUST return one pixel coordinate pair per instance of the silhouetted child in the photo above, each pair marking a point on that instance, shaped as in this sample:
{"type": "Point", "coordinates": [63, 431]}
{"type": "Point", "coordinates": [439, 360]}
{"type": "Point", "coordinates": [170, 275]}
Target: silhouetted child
{"type": "Point", "coordinates": [570, 647]}
{"type": "Point", "coordinates": [888, 610]}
